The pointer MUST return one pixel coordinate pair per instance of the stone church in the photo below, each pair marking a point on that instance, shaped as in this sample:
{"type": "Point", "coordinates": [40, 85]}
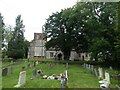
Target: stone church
{"type": "Point", "coordinates": [37, 50]}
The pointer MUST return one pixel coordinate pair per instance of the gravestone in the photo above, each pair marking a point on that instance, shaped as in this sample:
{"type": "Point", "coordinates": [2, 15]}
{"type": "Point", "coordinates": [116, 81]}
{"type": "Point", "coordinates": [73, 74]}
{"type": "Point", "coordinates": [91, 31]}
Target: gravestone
{"type": "Point", "coordinates": [11, 70]}
{"type": "Point", "coordinates": [96, 72]}
{"type": "Point", "coordinates": [66, 66]}
{"type": "Point", "coordinates": [28, 65]}
{"type": "Point", "coordinates": [92, 69]}
{"type": "Point", "coordinates": [22, 79]}
{"type": "Point", "coordinates": [40, 72]}
{"type": "Point", "coordinates": [4, 71]}
{"type": "Point", "coordinates": [89, 66]}
{"type": "Point", "coordinates": [84, 65]}
{"type": "Point", "coordinates": [105, 82]}
{"type": "Point", "coordinates": [100, 70]}
{"type": "Point", "coordinates": [49, 66]}
{"type": "Point", "coordinates": [34, 73]}
{"type": "Point", "coordinates": [31, 65]}
{"type": "Point", "coordinates": [34, 64]}
{"type": "Point", "coordinates": [62, 81]}
{"type": "Point", "coordinates": [110, 67]}
{"type": "Point", "coordinates": [37, 63]}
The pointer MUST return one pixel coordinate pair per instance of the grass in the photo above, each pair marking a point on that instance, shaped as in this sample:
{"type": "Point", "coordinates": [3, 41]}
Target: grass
{"type": "Point", "coordinates": [78, 77]}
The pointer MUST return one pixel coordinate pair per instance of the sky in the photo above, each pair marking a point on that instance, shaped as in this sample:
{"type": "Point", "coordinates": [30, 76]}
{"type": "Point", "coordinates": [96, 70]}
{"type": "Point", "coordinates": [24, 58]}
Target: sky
{"type": "Point", "coordinates": [33, 12]}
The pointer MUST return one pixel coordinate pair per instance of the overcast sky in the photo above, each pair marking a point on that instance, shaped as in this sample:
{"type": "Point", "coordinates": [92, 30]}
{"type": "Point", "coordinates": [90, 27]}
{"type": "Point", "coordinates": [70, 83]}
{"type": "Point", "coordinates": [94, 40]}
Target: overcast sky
{"type": "Point", "coordinates": [34, 12]}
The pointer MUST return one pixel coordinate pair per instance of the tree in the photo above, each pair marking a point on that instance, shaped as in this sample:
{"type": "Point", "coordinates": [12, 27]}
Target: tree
{"type": "Point", "coordinates": [1, 35]}
{"type": "Point", "coordinates": [26, 45]}
{"type": "Point", "coordinates": [1, 30]}
{"type": "Point", "coordinates": [16, 44]}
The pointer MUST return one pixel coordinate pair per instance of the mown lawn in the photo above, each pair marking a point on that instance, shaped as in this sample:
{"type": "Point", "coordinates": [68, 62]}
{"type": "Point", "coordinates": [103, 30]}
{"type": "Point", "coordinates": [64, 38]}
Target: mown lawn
{"type": "Point", "coordinates": [78, 77]}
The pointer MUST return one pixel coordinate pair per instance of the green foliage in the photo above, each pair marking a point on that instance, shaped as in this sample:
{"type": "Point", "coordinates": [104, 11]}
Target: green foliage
{"type": "Point", "coordinates": [86, 27]}
{"type": "Point", "coordinates": [1, 30]}
{"type": "Point", "coordinates": [16, 44]}
{"type": "Point", "coordinates": [26, 45]}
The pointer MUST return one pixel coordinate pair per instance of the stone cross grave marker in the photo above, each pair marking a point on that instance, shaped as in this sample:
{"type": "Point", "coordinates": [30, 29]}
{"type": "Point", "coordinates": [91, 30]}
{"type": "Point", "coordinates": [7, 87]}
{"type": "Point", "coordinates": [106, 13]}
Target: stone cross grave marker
{"type": "Point", "coordinates": [100, 70]}
{"type": "Point", "coordinates": [4, 71]}
{"type": "Point", "coordinates": [22, 79]}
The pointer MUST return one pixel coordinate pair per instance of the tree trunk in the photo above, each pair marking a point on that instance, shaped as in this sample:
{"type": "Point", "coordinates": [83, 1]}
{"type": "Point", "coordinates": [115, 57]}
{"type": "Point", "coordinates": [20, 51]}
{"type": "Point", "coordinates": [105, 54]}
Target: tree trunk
{"type": "Point", "coordinates": [66, 55]}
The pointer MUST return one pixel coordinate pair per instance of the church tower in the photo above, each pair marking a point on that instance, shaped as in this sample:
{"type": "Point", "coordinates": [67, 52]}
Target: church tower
{"type": "Point", "coordinates": [37, 47]}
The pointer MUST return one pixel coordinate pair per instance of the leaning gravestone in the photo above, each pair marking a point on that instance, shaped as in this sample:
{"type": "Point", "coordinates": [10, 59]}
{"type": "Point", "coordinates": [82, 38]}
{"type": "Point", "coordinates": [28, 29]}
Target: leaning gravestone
{"type": "Point", "coordinates": [105, 82]}
{"type": "Point", "coordinates": [4, 71]}
{"type": "Point", "coordinates": [22, 79]}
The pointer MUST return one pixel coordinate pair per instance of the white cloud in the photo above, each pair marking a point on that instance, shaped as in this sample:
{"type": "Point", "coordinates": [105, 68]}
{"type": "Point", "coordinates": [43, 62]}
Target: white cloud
{"type": "Point", "coordinates": [34, 12]}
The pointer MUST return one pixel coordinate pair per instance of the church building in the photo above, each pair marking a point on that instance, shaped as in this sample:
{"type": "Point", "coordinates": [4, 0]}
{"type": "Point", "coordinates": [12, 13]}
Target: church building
{"type": "Point", "coordinates": [37, 50]}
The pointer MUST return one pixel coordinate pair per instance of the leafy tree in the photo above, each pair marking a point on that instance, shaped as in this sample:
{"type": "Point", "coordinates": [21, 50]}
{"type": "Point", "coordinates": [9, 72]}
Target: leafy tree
{"type": "Point", "coordinates": [1, 35]}
{"type": "Point", "coordinates": [1, 30]}
{"type": "Point", "coordinates": [16, 44]}
{"type": "Point", "coordinates": [26, 45]}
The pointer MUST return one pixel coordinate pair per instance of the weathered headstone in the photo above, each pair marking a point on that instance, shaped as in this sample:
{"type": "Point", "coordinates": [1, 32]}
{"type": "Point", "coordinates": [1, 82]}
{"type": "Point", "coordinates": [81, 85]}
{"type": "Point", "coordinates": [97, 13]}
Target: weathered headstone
{"type": "Point", "coordinates": [4, 71]}
{"type": "Point", "coordinates": [110, 67]}
{"type": "Point", "coordinates": [34, 73]}
{"type": "Point", "coordinates": [100, 70]}
{"type": "Point", "coordinates": [92, 69]}
{"type": "Point", "coordinates": [37, 62]}
{"type": "Point", "coordinates": [96, 72]}
{"type": "Point", "coordinates": [28, 65]}
{"type": "Point", "coordinates": [11, 70]}
{"type": "Point", "coordinates": [66, 66]}
{"type": "Point", "coordinates": [34, 64]}
{"type": "Point", "coordinates": [105, 82]}
{"type": "Point", "coordinates": [84, 65]}
{"type": "Point", "coordinates": [22, 79]}
{"type": "Point", "coordinates": [62, 81]}
{"type": "Point", "coordinates": [49, 66]}
{"type": "Point", "coordinates": [89, 66]}
{"type": "Point", "coordinates": [40, 72]}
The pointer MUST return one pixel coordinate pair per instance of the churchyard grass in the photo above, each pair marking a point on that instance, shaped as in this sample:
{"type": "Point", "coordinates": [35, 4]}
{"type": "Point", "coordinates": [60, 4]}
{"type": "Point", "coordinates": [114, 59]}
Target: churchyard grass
{"type": "Point", "coordinates": [78, 77]}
